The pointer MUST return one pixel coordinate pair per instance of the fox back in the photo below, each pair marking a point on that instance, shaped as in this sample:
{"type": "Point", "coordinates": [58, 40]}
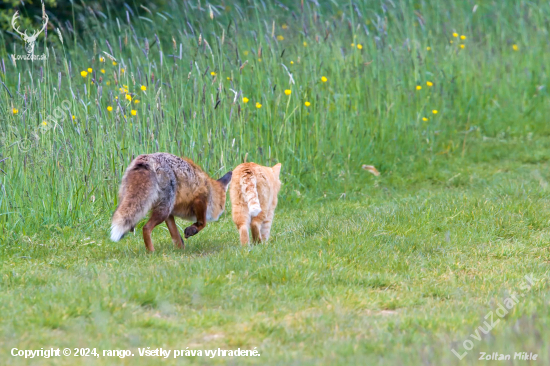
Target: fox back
{"type": "Point", "coordinates": [253, 193]}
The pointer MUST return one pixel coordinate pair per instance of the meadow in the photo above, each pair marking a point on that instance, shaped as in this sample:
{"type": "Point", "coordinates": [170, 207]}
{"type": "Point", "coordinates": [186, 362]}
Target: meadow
{"type": "Point", "coordinates": [448, 100]}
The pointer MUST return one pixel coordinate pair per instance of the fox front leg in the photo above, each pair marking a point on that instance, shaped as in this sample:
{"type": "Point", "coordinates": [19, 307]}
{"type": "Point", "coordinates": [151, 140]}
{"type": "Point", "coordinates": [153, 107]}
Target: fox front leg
{"type": "Point", "coordinates": [199, 206]}
{"type": "Point", "coordinates": [174, 233]}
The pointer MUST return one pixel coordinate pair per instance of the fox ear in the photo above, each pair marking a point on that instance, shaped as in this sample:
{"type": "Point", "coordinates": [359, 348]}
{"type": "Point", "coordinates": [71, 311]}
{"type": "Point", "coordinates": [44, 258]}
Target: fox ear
{"type": "Point", "coordinates": [277, 170]}
{"type": "Point", "coordinates": [225, 180]}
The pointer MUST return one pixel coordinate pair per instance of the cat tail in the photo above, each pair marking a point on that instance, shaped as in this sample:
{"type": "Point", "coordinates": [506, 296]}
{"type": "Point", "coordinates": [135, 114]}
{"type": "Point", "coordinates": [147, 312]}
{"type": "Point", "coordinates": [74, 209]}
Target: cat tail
{"type": "Point", "coordinates": [250, 194]}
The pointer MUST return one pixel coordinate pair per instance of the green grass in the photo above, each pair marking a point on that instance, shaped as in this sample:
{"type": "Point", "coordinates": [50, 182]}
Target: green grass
{"type": "Point", "coordinates": [367, 112]}
{"type": "Point", "coordinates": [396, 269]}
{"type": "Point", "coordinates": [392, 276]}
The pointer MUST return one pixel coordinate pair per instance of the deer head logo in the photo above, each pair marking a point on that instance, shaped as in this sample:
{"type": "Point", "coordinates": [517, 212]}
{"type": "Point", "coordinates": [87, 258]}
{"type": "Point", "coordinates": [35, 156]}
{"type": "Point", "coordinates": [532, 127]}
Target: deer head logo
{"type": "Point", "coordinates": [29, 39]}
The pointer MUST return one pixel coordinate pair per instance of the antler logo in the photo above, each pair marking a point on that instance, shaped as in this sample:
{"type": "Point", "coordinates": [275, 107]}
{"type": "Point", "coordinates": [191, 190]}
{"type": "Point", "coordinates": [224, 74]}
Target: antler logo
{"type": "Point", "coordinates": [30, 40]}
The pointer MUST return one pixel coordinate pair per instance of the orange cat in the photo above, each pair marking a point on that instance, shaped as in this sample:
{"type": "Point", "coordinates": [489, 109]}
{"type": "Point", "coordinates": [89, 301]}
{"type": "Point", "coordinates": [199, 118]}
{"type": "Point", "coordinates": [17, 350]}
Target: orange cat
{"type": "Point", "coordinates": [253, 193]}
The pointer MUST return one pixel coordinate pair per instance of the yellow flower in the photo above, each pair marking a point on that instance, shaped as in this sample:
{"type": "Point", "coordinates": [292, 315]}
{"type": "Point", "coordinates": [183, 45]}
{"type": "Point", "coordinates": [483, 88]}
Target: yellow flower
{"type": "Point", "coordinates": [434, 111]}
{"type": "Point", "coordinates": [360, 47]}
{"type": "Point", "coordinates": [134, 112]}
{"type": "Point", "coordinates": [455, 34]}
{"type": "Point", "coordinates": [129, 97]}
{"type": "Point", "coordinates": [44, 123]}
{"type": "Point", "coordinates": [258, 105]}
{"type": "Point", "coordinates": [428, 48]}
{"type": "Point", "coordinates": [102, 71]}
{"type": "Point", "coordinates": [143, 87]}
{"type": "Point", "coordinates": [515, 47]}
{"type": "Point", "coordinates": [280, 38]}
{"type": "Point", "coordinates": [288, 91]}
{"type": "Point", "coordinates": [136, 101]}
{"type": "Point", "coordinates": [424, 119]}
{"type": "Point", "coordinates": [462, 46]}
{"type": "Point", "coordinates": [305, 44]}
{"type": "Point", "coordinates": [74, 117]}
{"type": "Point", "coordinates": [114, 63]}
{"type": "Point", "coordinates": [292, 62]}
{"type": "Point", "coordinates": [245, 53]}
{"type": "Point", "coordinates": [245, 100]}
{"type": "Point", "coordinates": [108, 83]}
{"type": "Point", "coordinates": [259, 60]}
{"type": "Point", "coordinates": [213, 73]}
{"type": "Point", "coordinates": [285, 26]}
{"type": "Point", "coordinates": [307, 104]}
{"type": "Point", "coordinates": [90, 70]}
{"type": "Point", "coordinates": [462, 37]}
{"type": "Point", "coordinates": [101, 59]}
{"type": "Point", "coordinates": [429, 83]}
{"type": "Point", "coordinates": [83, 74]}
{"type": "Point", "coordinates": [122, 70]}
{"type": "Point", "coordinates": [418, 87]}
{"type": "Point", "coordinates": [15, 111]}
{"type": "Point", "coordinates": [228, 78]}
{"type": "Point", "coordinates": [353, 45]}
{"type": "Point", "coordinates": [324, 79]}
{"type": "Point", "coordinates": [110, 109]}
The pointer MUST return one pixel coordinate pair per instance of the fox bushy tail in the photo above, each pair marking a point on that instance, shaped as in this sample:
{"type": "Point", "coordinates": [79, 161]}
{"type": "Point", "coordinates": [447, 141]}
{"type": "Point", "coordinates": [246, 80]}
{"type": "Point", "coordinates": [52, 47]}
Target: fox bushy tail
{"type": "Point", "coordinates": [138, 193]}
{"type": "Point", "coordinates": [250, 194]}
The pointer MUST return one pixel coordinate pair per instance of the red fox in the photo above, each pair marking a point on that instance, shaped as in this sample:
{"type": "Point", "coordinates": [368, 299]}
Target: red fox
{"type": "Point", "coordinates": [168, 186]}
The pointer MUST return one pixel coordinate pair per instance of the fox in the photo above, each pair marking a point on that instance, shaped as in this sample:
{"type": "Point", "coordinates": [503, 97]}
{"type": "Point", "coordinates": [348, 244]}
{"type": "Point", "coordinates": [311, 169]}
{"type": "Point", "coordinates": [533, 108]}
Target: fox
{"type": "Point", "coordinates": [253, 194]}
{"type": "Point", "coordinates": [169, 187]}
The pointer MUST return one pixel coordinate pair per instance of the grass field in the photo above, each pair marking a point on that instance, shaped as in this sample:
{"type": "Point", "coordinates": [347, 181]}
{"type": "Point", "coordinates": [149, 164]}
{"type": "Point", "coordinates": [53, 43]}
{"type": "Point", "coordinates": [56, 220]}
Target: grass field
{"type": "Point", "coordinates": [447, 99]}
{"type": "Point", "coordinates": [394, 276]}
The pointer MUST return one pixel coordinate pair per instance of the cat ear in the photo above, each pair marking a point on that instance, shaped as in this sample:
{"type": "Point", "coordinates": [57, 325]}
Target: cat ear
{"type": "Point", "coordinates": [225, 180]}
{"type": "Point", "coordinates": [277, 170]}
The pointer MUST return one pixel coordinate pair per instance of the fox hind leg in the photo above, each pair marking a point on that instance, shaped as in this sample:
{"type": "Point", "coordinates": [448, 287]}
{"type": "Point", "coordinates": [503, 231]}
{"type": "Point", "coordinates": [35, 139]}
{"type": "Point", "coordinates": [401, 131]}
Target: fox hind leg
{"type": "Point", "coordinates": [157, 217]}
{"type": "Point", "coordinates": [174, 233]}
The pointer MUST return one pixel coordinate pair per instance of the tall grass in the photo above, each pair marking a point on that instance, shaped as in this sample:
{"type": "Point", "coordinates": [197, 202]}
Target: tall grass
{"type": "Point", "coordinates": [198, 61]}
